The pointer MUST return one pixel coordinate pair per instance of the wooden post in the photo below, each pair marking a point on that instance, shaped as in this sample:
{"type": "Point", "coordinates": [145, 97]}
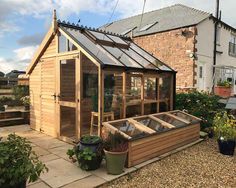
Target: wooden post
{"type": "Point", "coordinates": [100, 98]}
{"type": "Point", "coordinates": [124, 95]}
{"type": "Point", "coordinates": [142, 95]}
{"type": "Point", "coordinates": [171, 92]}
{"type": "Point", "coordinates": [79, 87]}
{"type": "Point", "coordinates": [158, 95]}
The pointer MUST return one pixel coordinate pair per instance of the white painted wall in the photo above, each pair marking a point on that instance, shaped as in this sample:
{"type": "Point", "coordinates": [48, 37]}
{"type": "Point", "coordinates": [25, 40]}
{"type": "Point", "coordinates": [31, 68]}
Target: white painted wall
{"type": "Point", "coordinates": [205, 46]}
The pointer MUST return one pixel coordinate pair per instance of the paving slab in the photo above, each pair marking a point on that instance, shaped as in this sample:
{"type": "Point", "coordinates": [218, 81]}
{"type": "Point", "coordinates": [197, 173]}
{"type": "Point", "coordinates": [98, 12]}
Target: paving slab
{"type": "Point", "coordinates": [62, 172]}
{"type": "Point", "coordinates": [40, 151]}
{"type": "Point", "coordinates": [19, 128]}
{"type": "Point", "coordinates": [102, 172]}
{"type": "Point", "coordinates": [49, 157]}
{"type": "Point", "coordinates": [61, 151]}
{"type": "Point", "coordinates": [38, 185]}
{"type": "Point", "coordinates": [88, 182]}
{"type": "Point", "coordinates": [47, 142]}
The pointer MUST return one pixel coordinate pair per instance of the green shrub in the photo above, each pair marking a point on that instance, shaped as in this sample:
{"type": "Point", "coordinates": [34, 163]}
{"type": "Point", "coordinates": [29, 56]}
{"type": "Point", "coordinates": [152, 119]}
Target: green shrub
{"type": "Point", "coordinates": [18, 162]}
{"type": "Point", "coordinates": [20, 91]}
{"type": "Point", "coordinates": [200, 104]}
{"type": "Point", "coordinates": [224, 126]}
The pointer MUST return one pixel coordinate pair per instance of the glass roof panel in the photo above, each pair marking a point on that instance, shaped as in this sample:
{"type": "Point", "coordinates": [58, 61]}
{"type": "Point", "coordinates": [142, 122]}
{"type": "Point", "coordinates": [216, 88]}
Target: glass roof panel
{"type": "Point", "coordinates": [117, 39]}
{"type": "Point", "coordinates": [150, 58]}
{"type": "Point", "coordinates": [100, 36]}
{"type": "Point", "coordinates": [170, 120]}
{"type": "Point", "coordinates": [122, 57]}
{"type": "Point", "coordinates": [146, 64]}
{"type": "Point", "coordinates": [95, 49]}
{"type": "Point", "coordinates": [129, 129]}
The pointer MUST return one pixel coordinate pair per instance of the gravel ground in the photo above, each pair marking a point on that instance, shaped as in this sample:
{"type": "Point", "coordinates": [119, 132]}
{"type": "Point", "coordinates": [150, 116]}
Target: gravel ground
{"type": "Point", "coordinates": [199, 166]}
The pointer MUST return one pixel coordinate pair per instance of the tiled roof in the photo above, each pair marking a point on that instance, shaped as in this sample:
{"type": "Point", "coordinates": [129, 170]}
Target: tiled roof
{"type": "Point", "coordinates": [164, 19]}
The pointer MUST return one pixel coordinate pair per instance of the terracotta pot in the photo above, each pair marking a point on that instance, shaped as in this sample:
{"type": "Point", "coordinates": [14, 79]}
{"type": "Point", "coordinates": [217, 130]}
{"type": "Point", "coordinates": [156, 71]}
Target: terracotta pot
{"type": "Point", "coordinates": [223, 91]}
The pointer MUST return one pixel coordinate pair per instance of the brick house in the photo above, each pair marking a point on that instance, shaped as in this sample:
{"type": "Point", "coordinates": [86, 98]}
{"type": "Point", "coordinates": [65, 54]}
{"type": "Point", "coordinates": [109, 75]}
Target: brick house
{"type": "Point", "coordinates": [183, 37]}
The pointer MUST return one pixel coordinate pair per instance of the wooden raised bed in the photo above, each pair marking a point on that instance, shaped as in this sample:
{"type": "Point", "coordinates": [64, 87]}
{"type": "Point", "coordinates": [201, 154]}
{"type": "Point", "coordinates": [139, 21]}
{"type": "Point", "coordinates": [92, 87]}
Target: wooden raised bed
{"type": "Point", "coordinates": [153, 135]}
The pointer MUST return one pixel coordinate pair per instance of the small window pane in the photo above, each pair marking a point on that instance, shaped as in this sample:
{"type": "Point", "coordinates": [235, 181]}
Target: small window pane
{"type": "Point", "coordinates": [200, 72]}
{"type": "Point", "coordinates": [100, 36]}
{"type": "Point", "coordinates": [93, 48]}
{"type": "Point", "coordinates": [149, 57]}
{"type": "Point", "coordinates": [62, 43]}
{"type": "Point", "coordinates": [122, 57]}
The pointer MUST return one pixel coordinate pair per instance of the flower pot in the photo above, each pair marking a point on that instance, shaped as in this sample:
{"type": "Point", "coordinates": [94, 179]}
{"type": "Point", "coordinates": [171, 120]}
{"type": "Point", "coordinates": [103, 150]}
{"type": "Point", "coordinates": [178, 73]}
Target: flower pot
{"type": "Point", "coordinates": [223, 91]}
{"type": "Point", "coordinates": [17, 185]}
{"type": "Point", "coordinates": [93, 164]}
{"type": "Point", "coordinates": [226, 147]}
{"type": "Point", "coordinates": [93, 146]}
{"type": "Point", "coordinates": [115, 161]}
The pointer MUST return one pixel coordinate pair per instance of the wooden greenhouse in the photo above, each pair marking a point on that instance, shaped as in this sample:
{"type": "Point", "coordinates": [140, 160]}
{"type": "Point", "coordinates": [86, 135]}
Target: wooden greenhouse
{"type": "Point", "coordinates": [81, 77]}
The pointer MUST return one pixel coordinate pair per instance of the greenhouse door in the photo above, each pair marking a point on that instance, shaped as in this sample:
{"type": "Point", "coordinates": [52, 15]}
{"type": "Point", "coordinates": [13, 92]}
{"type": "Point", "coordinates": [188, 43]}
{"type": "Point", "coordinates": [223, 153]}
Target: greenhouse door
{"type": "Point", "coordinates": [68, 99]}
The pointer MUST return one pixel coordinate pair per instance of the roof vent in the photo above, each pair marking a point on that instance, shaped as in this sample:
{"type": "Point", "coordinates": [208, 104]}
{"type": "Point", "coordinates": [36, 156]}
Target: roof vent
{"type": "Point", "coordinates": [148, 26]}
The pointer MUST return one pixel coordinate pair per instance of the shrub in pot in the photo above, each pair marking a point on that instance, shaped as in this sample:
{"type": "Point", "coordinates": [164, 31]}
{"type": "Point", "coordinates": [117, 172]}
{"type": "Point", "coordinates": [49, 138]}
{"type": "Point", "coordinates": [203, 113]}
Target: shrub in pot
{"type": "Point", "coordinates": [116, 149]}
{"type": "Point", "coordinates": [18, 163]}
{"type": "Point", "coordinates": [88, 153]}
{"type": "Point", "coordinates": [225, 132]}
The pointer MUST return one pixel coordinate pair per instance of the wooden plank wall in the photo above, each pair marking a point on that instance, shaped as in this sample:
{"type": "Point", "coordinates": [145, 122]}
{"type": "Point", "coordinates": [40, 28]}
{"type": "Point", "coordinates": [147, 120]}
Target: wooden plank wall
{"type": "Point", "coordinates": [35, 100]}
{"type": "Point", "coordinates": [147, 148]}
{"type": "Point", "coordinates": [48, 104]}
{"type": "Point", "coordinates": [42, 87]}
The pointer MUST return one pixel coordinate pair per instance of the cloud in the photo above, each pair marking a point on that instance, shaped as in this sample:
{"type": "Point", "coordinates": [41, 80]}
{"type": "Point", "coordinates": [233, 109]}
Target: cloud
{"type": "Point", "coordinates": [34, 39]}
{"type": "Point", "coordinates": [11, 10]}
{"type": "Point", "coordinates": [19, 61]}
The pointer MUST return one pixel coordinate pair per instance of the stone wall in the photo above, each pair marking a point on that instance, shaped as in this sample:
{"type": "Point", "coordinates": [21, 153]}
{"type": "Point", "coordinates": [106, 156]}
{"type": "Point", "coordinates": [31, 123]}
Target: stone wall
{"type": "Point", "coordinates": [174, 48]}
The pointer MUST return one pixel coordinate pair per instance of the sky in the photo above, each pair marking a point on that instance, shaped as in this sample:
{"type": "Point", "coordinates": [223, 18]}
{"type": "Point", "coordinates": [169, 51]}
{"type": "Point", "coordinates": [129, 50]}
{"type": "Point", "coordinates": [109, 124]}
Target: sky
{"type": "Point", "coordinates": [23, 23]}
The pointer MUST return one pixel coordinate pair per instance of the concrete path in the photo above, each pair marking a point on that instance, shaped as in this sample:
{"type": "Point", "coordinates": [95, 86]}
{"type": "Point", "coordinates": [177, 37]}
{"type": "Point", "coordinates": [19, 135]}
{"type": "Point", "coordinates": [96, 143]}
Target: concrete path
{"type": "Point", "coordinates": [62, 172]}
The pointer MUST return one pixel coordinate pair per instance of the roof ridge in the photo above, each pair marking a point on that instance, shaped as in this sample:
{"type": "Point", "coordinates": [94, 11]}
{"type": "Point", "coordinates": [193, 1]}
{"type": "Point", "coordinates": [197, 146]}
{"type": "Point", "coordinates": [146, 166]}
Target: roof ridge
{"type": "Point", "coordinates": [78, 26]}
{"type": "Point", "coordinates": [195, 9]}
{"type": "Point", "coordinates": [178, 4]}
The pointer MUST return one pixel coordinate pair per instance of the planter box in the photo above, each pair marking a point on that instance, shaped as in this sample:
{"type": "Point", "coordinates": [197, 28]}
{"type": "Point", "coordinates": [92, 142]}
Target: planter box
{"type": "Point", "coordinates": [153, 135]}
{"type": "Point", "coordinates": [222, 91]}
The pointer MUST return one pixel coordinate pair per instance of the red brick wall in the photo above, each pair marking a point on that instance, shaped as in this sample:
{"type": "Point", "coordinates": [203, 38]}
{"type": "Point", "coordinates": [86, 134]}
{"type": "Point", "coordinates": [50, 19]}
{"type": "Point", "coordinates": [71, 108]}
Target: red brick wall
{"type": "Point", "coordinates": [171, 47]}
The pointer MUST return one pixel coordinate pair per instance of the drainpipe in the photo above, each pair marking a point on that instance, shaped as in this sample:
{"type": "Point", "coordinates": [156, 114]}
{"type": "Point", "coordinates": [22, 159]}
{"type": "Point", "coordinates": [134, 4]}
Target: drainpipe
{"type": "Point", "coordinates": [215, 42]}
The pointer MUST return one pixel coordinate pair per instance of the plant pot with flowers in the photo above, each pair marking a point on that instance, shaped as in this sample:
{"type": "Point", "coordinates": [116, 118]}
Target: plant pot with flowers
{"type": "Point", "coordinates": [18, 163]}
{"type": "Point", "coordinates": [116, 149]}
{"type": "Point", "coordinates": [223, 89]}
{"type": "Point", "coordinates": [88, 152]}
{"type": "Point", "coordinates": [26, 102]}
{"type": "Point", "coordinates": [225, 132]}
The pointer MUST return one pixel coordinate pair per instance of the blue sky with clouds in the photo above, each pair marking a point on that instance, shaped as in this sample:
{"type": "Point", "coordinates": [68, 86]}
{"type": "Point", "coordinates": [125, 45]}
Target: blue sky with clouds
{"type": "Point", "coordinates": [23, 23]}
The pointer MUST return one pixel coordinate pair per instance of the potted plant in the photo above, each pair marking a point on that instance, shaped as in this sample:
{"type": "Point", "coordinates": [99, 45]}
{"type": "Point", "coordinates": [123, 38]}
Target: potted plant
{"type": "Point", "coordinates": [116, 149]}
{"type": "Point", "coordinates": [18, 163]}
{"type": "Point", "coordinates": [26, 102]}
{"type": "Point", "coordinates": [90, 141]}
{"type": "Point", "coordinates": [88, 153]}
{"type": "Point", "coordinates": [225, 131]}
{"type": "Point", "coordinates": [223, 89]}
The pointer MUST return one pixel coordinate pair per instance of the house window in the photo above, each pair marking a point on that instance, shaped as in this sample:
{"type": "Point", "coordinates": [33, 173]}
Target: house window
{"type": "Point", "coordinates": [200, 72]}
{"type": "Point", "coordinates": [232, 46]}
{"type": "Point", "coordinates": [65, 45]}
